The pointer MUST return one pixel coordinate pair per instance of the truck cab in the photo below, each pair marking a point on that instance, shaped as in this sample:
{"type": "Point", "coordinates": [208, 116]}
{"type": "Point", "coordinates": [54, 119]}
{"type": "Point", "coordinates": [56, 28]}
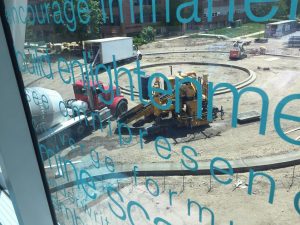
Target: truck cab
{"type": "Point", "coordinates": [90, 94]}
{"type": "Point", "coordinates": [137, 52]}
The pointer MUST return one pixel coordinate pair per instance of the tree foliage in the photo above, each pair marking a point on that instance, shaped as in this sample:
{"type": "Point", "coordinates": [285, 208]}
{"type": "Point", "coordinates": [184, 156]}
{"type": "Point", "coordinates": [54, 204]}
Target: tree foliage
{"type": "Point", "coordinates": [60, 32]}
{"type": "Point", "coordinates": [147, 35]}
{"type": "Point", "coordinates": [92, 30]}
{"type": "Point", "coordinates": [263, 9]}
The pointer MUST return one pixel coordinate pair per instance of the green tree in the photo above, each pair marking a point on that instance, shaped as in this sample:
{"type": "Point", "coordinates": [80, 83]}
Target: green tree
{"type": "Point", "coordinates": [263, 9]}
{"type": "Point", "coordinates": [283, 9]}
{"type": "Point", "coordinates": [148, 34]}
{"type": "Point", "coordinates": [94, 27]}
{"type": "Point", "coordinates": [60, 32]}
{"type": "Point", "coordinates": [83, 32]}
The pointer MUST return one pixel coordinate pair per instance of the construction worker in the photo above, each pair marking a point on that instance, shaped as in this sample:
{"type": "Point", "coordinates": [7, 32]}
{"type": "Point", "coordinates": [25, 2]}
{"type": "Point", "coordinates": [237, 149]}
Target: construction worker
{"type": "Point", "coordinates": [156, 83]}
{"type": "Point", "coordinates": [262, 50]}
{"type": "Point", "coordinates": [239, 45]}
{"type": "Point", "coordinates": [190, 91]}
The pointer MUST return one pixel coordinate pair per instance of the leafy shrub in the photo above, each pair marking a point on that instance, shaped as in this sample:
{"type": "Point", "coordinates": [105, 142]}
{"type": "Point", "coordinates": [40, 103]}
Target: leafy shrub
{"type": "Point", "coordinates": [147, 35]}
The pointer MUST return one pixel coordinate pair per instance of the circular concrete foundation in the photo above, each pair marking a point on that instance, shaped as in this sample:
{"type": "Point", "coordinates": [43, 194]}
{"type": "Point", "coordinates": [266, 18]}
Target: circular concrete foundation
{"type": "Point", "coordinates": [239, 76]}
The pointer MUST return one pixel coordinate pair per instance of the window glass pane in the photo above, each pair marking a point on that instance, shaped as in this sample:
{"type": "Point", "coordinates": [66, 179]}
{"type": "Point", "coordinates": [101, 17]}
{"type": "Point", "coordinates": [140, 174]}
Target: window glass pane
{"type": "Point", "coordinates": [7, 212]}
{"type": "Point", "coordinates": [139, 106]}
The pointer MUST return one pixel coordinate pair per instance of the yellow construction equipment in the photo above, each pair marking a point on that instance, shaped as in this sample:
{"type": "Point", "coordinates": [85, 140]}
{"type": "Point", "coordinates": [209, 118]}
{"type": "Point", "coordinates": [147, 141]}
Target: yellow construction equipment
{"type": "Point", "coordinates": [186, 117]}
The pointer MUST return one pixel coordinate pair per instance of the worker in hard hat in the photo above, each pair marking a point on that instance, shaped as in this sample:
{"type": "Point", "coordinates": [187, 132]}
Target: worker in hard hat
{"type": "Point", "coordinates": [262, 50]}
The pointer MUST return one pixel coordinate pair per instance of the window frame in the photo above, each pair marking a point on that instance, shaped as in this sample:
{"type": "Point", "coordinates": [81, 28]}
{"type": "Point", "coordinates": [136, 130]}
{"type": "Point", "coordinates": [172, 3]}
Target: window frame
{"type": "Point", "coordinates": [21, 163]}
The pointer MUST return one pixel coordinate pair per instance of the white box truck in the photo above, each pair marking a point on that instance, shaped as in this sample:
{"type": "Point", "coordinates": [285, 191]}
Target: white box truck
{"type": "Point", "coordinates": [102, 50]}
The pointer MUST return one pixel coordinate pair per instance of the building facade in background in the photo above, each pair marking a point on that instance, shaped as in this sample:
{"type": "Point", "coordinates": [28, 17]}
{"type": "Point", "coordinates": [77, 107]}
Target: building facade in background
{"type": "Point", "coordinates": [127, 28]}
{"type": "Point", "coordinates": [113, 11]}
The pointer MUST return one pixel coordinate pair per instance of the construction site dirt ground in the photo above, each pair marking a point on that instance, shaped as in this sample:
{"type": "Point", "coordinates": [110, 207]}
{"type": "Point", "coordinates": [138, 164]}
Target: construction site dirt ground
{"type": "Point", "coordinates": [278, 76]}
{"type": "Point", "coordinates": [227, 202]}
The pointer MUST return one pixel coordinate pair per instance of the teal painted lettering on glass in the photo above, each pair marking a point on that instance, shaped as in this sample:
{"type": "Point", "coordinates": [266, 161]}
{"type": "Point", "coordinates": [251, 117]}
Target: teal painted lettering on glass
{"type": "Point", "coordinates": [278, 115]}
{"type": "Point", "coordinates": [255, 18]}
{"type": "Point", "coordinates": [228, 170]}
{"type": "Point", "coordinates": [253, 174]}
{"type": "Point", "coordinates": [194, 4]}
